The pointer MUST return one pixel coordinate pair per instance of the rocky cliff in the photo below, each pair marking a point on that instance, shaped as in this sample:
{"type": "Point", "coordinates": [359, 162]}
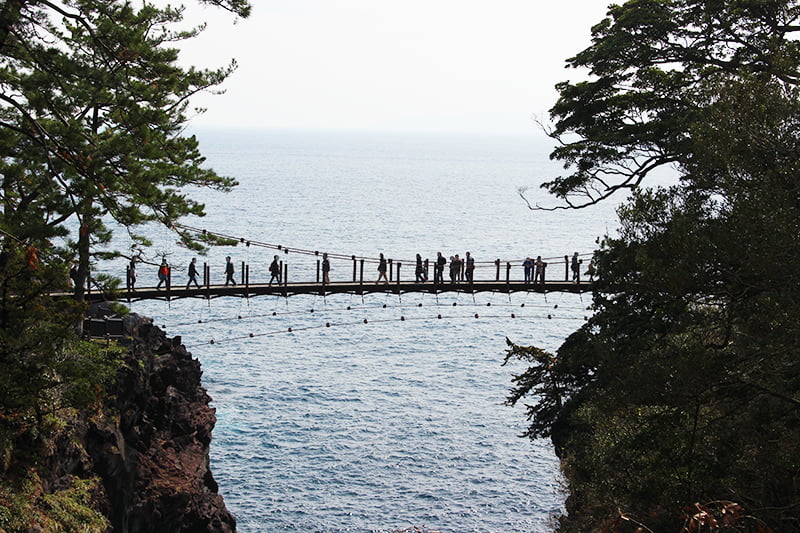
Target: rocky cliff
{"type": "Point", "coordinates": [148, 445]}
{"type": "Point", "coordinates": [154, 458]}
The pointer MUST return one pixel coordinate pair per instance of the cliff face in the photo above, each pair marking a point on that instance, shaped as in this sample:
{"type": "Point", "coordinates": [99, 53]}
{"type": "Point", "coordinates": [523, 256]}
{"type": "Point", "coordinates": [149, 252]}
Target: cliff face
{"type": "Point", "coordinates": [153, 458]}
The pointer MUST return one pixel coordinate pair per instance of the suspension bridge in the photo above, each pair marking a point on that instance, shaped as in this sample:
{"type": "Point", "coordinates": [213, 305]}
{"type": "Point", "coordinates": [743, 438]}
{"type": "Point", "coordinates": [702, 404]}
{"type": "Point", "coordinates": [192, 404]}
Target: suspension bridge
{"type": "Point", "coordinates": [550, 274]}
{"type": "Point", "coordinates": [247, 289]}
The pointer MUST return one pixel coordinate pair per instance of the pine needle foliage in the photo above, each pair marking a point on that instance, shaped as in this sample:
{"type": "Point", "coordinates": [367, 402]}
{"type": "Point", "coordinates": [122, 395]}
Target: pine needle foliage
{"type": "Point", "coordinates": [684, 385]}
{"type": "Point", "coordinates": [94, 105]}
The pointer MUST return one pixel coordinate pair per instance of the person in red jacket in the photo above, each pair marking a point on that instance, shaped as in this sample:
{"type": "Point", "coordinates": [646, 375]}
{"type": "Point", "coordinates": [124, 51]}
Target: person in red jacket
{"type": "Point", "coordinates": [163, 274]}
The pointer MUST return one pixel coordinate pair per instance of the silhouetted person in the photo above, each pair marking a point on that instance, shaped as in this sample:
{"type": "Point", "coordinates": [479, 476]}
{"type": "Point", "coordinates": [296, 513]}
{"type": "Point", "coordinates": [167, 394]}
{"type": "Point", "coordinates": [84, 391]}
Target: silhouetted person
{"type": "Point", "coordinates": [326, 269]}
{"type": "Point", "coordinates": [470, 269]}
{"type": "Point", "coordinates": [591, 270]}
{"type": "Point", "coordinates": [275, 271]}
{"type": "Point", "coordinates": [163, 274]}
{"type": "Point", "coordinates": [73, 275]}
{"type": "Point", "coordinates": [527, 265]}
{"type": "Point", "coordinates": [576, 268]}
{"type": "Point", "coordinates": [539, 265]}
{"type": "Point", "coordinates": [131, 274]}
{"type": "Point", "coordinates": [459, 268]}
{"type": "Point", "coordinates": [438, 269]}
{"type": "Point", "coordinates": [419, 271]}
{"type": "Point", "coordinates": [229, 271]}
{"type": "Point", "coordinates": [382, 270]}
{"type": "Point", "coordinates": [193, 274]}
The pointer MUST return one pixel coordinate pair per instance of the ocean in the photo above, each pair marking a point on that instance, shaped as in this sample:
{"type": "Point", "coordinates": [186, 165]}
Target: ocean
{"type": "Point", "coordinates": [377, 413]}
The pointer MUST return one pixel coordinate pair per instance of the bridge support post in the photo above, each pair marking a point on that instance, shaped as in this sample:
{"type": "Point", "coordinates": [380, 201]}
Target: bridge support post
{"type": "Point", "coordinates": [390, 270]}
{"type": "Point", "coordinates": [398, 274]}
{"type": "Point", "coordinates": [247, 281]}
{"type": "Point", "coordinates": [361, 278]}
{"type": "Point", "coordinates": [508, 272]}
{"type": "Point", "coordinates": [566, 268]}
{"type": "Point", "coordinates": [354, 268]}
{"type": "Point", "coordinates": [207, 280]}
{"type": "Point", "coordinates": [243, 269]}
{"type": "Point", "coordinates": [497, 264]}
{"type": "Point", "coordinates": [286, 268]}
{"type": "Point", "coordinates": [317, 270]}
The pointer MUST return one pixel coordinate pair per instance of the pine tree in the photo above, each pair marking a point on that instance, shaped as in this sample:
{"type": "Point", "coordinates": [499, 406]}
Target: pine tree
{"type": "Point", "coordinates": [94, 106]}
{"type": "Point", "coordinates": [93, 109]}
{"type": "Point", "coordinates": [684, 386]}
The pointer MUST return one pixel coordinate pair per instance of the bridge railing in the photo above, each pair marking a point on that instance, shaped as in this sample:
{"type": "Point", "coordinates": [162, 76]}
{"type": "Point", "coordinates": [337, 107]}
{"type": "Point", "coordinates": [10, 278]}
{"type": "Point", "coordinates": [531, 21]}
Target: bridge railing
{"type": "Point", "coordinates": [493, 270]}
{"type": "Point", "coordinates": [362, 270]}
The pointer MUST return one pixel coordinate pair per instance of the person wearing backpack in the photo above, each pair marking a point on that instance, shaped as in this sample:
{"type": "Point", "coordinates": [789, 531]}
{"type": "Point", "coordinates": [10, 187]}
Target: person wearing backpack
{"type": "Point", "coordinates": [275, 271]}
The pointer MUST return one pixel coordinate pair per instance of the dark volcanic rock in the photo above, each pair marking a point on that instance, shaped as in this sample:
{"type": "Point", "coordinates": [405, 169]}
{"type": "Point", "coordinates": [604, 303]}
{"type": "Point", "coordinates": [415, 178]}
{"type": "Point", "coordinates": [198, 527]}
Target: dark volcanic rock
{"type": "Point", "coordinates": [154, 458]}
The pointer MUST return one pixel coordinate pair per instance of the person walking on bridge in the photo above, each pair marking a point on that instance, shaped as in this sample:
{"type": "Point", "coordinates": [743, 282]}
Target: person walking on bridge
{"type": "Point", "coordinates": [131, 273]}
{"type": "Point", "coordinates": [193, 274]}
{"type": "Point", "coordinates": [576, 268]}
{"type": "Point", "coordinates": [275, 271]}
{"type": "Point", "coordinates": [163, 274]}
{"type": "Point", "coordinates": [229, 271]}
{"type": "Point", "coordinates": [382, 270]}
{"type": "Point", "coordinates": [420, 270]}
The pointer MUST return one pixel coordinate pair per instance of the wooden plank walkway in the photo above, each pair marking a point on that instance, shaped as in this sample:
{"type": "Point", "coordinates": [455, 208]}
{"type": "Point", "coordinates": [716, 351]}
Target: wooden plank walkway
{"type": "Point", "coordinates": [291, 289]}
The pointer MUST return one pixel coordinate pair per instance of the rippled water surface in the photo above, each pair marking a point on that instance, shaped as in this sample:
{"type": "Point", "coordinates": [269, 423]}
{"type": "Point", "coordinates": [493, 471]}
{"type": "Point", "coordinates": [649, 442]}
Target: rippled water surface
{"type": "Point", "coordinates": [343, 425]}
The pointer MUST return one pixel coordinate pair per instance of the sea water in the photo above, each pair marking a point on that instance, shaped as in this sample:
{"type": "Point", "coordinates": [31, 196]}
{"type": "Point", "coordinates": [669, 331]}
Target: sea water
{"type": "Point", "coordinates": [382, 412]}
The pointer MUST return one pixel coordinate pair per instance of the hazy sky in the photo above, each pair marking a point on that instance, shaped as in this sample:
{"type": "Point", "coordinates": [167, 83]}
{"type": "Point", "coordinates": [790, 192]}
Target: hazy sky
{"type": "Point", "coordinates": [427, 65]}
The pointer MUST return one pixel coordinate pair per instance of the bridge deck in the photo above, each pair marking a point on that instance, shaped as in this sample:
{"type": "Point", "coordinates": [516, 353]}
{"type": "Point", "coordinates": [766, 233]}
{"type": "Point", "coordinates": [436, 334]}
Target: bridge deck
{"type": "Point", "coordinates": [291, 289]}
